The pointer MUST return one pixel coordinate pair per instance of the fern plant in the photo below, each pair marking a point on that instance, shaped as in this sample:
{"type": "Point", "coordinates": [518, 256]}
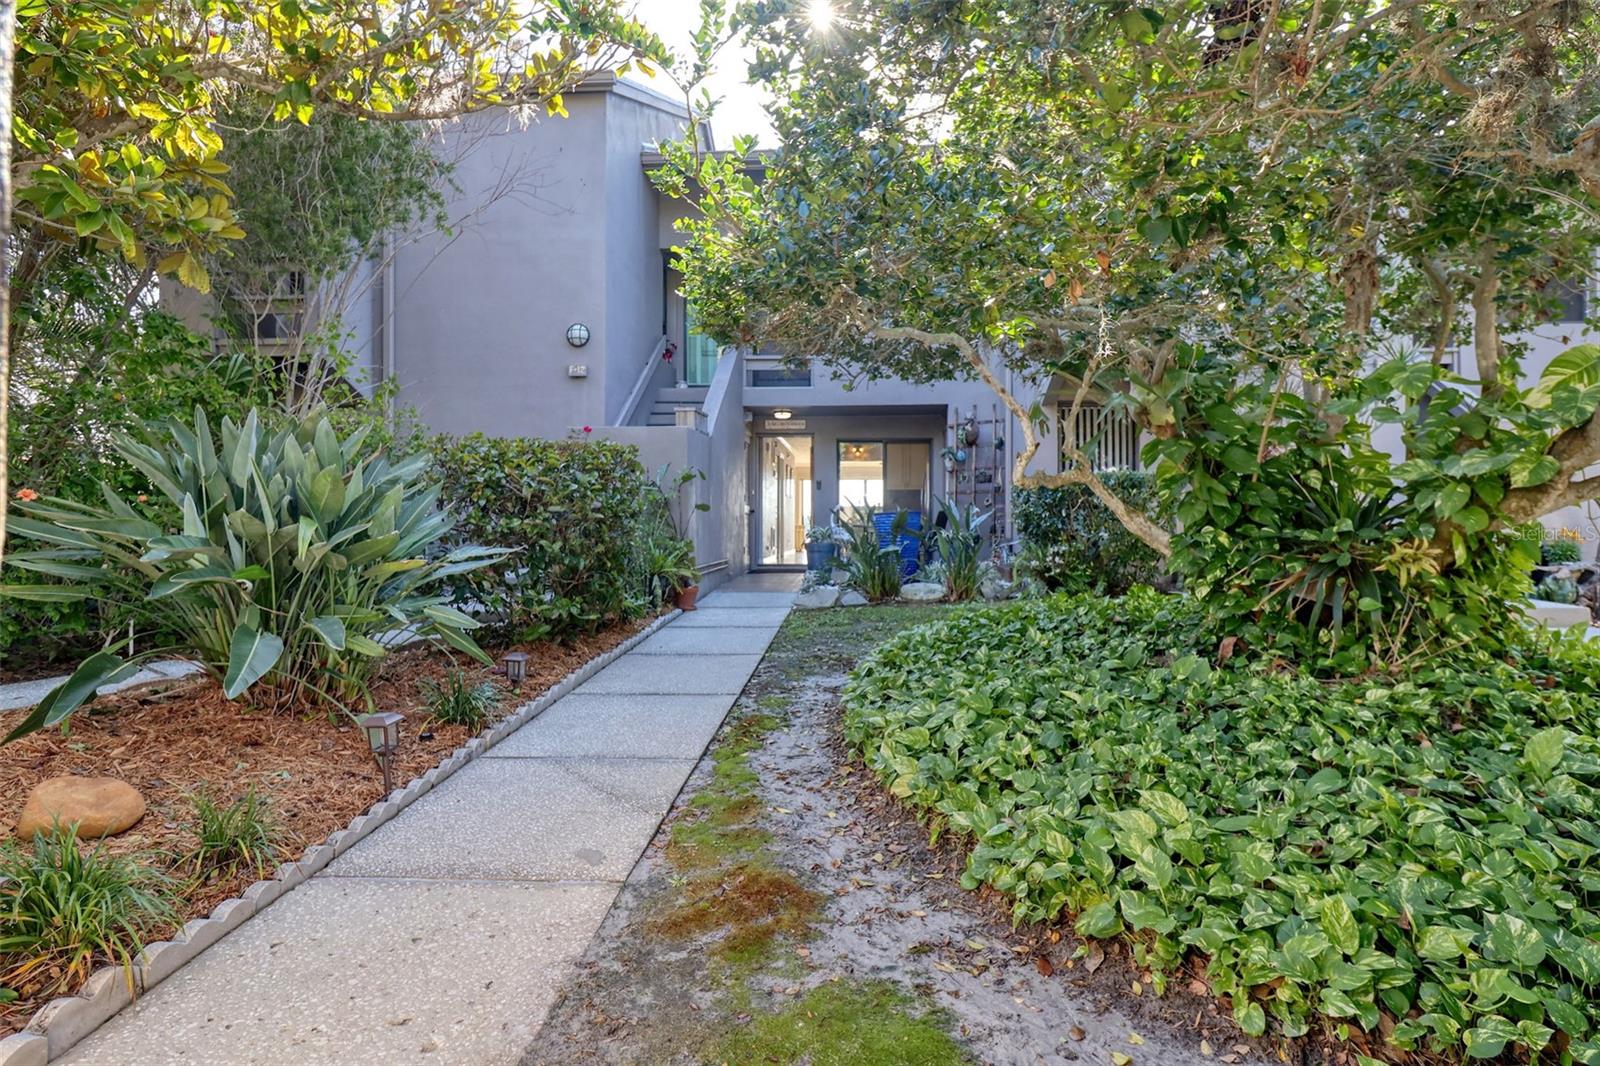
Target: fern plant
{"type": "Point", "coordinates": [299, 560]}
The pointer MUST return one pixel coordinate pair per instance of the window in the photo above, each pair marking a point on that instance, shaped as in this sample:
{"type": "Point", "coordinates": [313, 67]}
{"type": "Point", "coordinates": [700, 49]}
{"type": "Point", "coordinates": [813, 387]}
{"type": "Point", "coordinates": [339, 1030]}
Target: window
{"type": "Point", "coordinates": [277, 326]}
{"type": "Point", "coordinates": [1109, 439]}
{"type": "Point", "coordinates": [1570, 298]}
{"type": "Point", "coordinates": [699, 351]}
{"type": "Point", "coordinates": [884, 475]}
{"type": "Point", "coordinates": [780, 377]}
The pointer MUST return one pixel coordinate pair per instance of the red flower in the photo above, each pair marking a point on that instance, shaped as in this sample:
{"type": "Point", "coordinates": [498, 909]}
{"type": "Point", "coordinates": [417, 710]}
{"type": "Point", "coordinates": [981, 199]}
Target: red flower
{"type": "Point", "coordinates": [27, 495]}
{"type": "Point", "coordinates": [588, 429]}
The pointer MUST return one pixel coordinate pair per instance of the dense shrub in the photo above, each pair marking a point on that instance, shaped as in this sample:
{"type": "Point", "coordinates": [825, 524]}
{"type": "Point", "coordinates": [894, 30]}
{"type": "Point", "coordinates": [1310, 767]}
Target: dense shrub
{"type": "Point", "coordinates": [1075, 544]}
{"type": "Point", "coordinates": [572, 513]}
{"type": "Point", "coordinates": [1419, 851]}
{"type": "Point", "coordinates": [297, 557]}
{"type": "Point", "coordinates": [78, 385]}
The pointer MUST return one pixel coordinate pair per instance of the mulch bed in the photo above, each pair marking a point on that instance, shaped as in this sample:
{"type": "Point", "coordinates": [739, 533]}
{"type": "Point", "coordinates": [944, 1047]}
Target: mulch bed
{"type": "Point", "coordinates": [316, 772]}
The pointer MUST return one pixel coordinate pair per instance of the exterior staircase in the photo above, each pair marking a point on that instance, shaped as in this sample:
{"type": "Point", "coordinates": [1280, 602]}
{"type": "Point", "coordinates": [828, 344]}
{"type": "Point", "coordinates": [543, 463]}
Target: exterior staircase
{"type": "Point", "coordinates": [664, 408]}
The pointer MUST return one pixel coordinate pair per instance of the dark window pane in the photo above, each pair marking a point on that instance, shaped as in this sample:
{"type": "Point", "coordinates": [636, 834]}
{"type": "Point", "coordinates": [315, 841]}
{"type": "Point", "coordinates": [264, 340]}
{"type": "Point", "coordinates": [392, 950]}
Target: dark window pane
{"type": "Point", "coordinates": [780, 377]}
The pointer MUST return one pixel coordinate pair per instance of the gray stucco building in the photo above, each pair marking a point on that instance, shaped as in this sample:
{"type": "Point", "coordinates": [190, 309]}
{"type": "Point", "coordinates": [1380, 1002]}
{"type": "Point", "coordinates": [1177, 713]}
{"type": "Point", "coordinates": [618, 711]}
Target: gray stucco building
{"type": "Point", "coordinates": [480, 330]}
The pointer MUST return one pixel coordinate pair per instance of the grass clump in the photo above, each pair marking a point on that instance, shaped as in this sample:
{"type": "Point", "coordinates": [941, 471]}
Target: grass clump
{"type": "Point", "coordinates": [455, 701]}
{"type": "Point", "coordinates": [243, 833]}
{"type": "Point", "coordinates": [65, 908]}
{"type": "Point", "coordinates": [1417, 854]}
{"type": "Point", "coordinates": [845, 1024]}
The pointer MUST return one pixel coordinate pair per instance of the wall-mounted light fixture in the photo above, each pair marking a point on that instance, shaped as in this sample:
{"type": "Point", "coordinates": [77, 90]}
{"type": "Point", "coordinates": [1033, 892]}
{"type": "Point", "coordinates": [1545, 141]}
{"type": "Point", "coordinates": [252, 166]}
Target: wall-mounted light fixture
{"type": "Point", "coordinates": [577, 334]}
{"type": "Point", "coordinates": [783, 414]}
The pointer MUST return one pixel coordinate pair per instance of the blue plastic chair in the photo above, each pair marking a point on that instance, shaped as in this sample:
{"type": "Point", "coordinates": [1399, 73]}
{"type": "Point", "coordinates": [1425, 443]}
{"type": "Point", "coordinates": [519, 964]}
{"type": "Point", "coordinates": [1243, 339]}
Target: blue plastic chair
{"type": "Point", "coordinates": [908, 543]}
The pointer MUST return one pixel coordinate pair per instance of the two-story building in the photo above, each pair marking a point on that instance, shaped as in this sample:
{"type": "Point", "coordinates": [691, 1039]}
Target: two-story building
{"type": "Point", "coordinates": [560, 313]}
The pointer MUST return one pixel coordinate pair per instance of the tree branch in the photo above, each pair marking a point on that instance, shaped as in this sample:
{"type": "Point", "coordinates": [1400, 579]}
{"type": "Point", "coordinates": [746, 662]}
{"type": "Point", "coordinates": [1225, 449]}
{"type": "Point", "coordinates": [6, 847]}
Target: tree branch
{"type": "Point", "coordinates": [1486, 322]}
{"type": "Point", "coordinates": [1134, 521]}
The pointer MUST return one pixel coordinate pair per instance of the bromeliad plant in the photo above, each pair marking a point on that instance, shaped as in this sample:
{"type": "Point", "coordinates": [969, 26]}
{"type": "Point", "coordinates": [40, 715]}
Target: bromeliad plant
{"type": "Point", "coordinates": [300, 558]}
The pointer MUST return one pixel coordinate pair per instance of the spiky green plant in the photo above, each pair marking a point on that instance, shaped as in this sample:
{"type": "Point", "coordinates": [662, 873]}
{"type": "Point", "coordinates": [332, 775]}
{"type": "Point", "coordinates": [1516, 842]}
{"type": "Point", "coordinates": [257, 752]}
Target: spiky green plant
{"type": "Point", "coordinates": [873, 569]}
{"type": "Point", "coordinates": [958, 542]}
{"type": "Point", "coordinates": [64, 908]}
{"type": "Point", "coordinates": [241, 833]}
{"type": "Point", "coordinates": [300, 558]}
{"type": "Point", "coordinates": [455, 701]}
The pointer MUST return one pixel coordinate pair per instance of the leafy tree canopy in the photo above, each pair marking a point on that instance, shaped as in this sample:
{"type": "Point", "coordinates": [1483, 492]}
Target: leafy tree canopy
{"type": "Point", "coordinates": [1256, 227]}
{"type": "Point", "coordinates": [115, 132]}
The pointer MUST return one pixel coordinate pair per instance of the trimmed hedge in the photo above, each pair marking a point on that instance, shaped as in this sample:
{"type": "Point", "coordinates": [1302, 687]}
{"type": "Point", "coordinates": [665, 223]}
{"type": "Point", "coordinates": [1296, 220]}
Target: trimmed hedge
{"type": "Point", "coordinates": [575, 511]}
{"type": "Point", "coordinates": [1073, 542]}
{"type": "Point", "coordinates": [1417, 856]}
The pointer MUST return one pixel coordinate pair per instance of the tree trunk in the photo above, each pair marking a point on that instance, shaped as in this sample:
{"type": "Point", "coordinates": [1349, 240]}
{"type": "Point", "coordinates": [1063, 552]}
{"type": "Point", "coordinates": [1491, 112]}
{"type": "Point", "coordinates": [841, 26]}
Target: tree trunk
{"type": "Point", "coordinates": [8, 25]}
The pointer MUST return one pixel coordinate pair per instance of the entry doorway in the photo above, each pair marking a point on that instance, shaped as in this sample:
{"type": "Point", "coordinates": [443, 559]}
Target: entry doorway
{"type": "Point", "coordinates": [785, 499]}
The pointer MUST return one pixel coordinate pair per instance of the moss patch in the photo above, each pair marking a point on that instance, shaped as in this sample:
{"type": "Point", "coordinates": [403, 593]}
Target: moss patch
{"type": "Point", "coordinates": [845, 1024]}
{"type": "Point", "coordinates": [746, 908]}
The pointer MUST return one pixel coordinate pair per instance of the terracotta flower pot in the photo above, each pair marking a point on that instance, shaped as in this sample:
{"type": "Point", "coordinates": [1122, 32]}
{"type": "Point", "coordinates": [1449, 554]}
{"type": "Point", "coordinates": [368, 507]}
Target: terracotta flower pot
{"type": "Point", "coordinates": [686, 597]}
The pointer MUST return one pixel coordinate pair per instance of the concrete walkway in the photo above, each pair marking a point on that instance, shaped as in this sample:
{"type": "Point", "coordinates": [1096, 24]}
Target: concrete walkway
{"type": "Point", "coordinates": [443, 937]}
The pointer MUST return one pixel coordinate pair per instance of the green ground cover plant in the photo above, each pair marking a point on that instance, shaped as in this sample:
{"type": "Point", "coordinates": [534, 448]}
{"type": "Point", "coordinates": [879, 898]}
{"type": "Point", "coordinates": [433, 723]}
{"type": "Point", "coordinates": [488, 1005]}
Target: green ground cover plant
{"type": "Point", "coordinates": [866, 1024]}
{"type": "Point", "coordinates": [1414, 853]}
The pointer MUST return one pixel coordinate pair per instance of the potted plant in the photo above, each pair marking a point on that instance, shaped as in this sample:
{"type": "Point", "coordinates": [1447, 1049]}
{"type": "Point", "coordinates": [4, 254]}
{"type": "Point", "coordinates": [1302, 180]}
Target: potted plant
{"type": "Point", "coordinates": [821, 548]}
{"type": "Point", "coordinates": [669, 549]}
{"type": "Point", "coordinates": [673, 575]}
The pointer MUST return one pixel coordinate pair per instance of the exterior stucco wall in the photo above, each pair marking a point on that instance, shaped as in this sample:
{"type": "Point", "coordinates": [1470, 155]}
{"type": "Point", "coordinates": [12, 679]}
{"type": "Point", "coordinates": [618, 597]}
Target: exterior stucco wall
{"type": "Point", "coordinates": [636, 268]}
{"type": "Point", "coordinates": [481, 315]}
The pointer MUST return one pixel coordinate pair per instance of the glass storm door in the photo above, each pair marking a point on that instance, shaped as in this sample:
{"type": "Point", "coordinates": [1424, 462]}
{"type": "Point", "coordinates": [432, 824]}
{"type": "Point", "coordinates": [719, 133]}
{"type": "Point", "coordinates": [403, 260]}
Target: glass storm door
{"type": "Point", "coordinates": [785, 500]}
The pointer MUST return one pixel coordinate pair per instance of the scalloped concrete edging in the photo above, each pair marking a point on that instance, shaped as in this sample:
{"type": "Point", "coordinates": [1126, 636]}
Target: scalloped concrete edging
{"type": "Point", "coordinates": [64, 1021]}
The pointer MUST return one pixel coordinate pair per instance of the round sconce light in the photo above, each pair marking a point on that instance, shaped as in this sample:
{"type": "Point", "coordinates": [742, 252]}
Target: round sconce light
{"type": "Point", "coordinates": [577, 334]}
{"type": "Point", "coordinates": [783, 414]}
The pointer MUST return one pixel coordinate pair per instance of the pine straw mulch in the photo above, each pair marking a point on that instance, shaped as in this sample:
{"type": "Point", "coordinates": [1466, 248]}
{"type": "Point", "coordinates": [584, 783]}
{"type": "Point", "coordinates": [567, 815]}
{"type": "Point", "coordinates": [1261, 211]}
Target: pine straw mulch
{"type": "Point", "coordinates": [173, 740]}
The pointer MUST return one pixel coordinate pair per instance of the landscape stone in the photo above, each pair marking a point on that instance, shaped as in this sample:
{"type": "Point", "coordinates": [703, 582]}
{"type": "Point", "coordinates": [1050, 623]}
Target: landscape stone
{"type": "Point", "coordinates": [100, 807]}
{"type": "Point", "coordinates": [921, 592]}
{"type": "Point", "coordinates": [821, 596]}
{"type": "Point", "coordinates": [995, 587]}
{"type": "Point", "coordinates": [852, 598]}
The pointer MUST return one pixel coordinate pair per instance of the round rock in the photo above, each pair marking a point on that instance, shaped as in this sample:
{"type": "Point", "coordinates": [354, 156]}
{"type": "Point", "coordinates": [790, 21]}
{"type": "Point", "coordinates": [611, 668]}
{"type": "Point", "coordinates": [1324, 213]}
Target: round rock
{"type": "Point", "coordinates": [100, 806]}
